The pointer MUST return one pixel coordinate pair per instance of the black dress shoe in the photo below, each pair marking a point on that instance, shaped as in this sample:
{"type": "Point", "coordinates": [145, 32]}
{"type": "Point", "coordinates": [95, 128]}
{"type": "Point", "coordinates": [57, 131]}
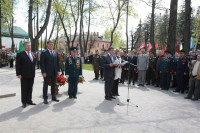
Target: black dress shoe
{"type": "Point", "coordinates": [176, 91]}
{"type": "Point", "coordinates": [117, 95]}
{"type": "Point", "coordinates": [139, 84]}
{"type": "Point", "coordinates": [194, 99]}
{"type": "Point", "coordinates": [109, 99]}
{"type": "Point", "coordinates": [187, 97]}
{"type": "Point", "coordinates": [45, 102]}
{"type": "Point", "coordinates": [148, 84]}
{"type": "Point", "coordinates": [70, 97]}
{"type": "Point", "coordinates": [31, 103]}
{"type": "Point", "coordinates": [74, 97]}
{"type": "Point", "coordinates": [24, 105]}
{"type": "Point", "coordinates": [56, 100]}
{"type": "Point", "coordinates": [142, 85]}
{"type": "Point", "coordinates": [112, 98]}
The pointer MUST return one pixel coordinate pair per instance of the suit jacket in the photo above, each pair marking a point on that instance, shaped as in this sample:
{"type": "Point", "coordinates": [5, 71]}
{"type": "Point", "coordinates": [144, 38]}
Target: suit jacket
{"type": "Point", "coordinates": [108, 72]}
{"type": "Point", "coordinates": [24, 66]}
{"type": "Point", "coordinates": [49, 64]}
{"type": "Point", "coordinates": [73, 67]}
{"type": "Point", "coordinates": [133, 60]}
{"type": "Point", "coordinates": [143, 62]}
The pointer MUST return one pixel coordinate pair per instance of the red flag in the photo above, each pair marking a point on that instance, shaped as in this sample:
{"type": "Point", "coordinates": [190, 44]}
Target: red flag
{"type": "Point", "coordinates": [156, 45]}
{"type": "Point", "coordinates": [150, 46]}
{"type": "Point", "coordinates": [177, 48]}
{"type": "Point", "coordinates": [142, 46]}
{"type": "Point", "coordinates": [165, 48]}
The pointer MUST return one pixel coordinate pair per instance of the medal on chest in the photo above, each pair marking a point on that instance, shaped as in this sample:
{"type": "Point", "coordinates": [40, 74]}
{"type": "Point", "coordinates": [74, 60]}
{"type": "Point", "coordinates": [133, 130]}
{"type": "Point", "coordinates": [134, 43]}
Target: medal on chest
{"type": "Point", "coordinates": [78, 64]}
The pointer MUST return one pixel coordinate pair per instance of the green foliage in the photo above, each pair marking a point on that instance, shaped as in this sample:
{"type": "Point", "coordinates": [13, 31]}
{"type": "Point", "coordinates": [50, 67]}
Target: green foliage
{"type": "Point", "coordinates": [87, 67]}
{"type": "Point", "coordinates": [117, 37]}
{"type": "Point", "coordinates": [7, 7]}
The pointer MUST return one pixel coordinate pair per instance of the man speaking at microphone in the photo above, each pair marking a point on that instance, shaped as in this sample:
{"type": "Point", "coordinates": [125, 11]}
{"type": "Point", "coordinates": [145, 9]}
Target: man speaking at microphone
{"type": "Point", "coordinates": [109, 71]}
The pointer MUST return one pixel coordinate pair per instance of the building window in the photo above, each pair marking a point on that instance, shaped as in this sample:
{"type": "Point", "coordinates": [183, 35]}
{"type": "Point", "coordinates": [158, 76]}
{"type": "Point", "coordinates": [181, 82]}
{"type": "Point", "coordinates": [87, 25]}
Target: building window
{"type": "Point", "coordinates": [103, 46]}
{"type": "Point", "coordinates": [97, 45]}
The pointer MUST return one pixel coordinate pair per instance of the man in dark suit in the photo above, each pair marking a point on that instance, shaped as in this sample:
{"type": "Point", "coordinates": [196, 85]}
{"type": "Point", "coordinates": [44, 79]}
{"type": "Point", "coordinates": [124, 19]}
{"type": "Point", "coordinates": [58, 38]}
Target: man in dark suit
{"type": "Point", "coordinates": [132, 59]}
{"type": "Point", "coordinates": [49, 63]}
{"type": "Point", "coordinates": [109, 71]}
{"type": "Point", "coordinates": [25, 71]}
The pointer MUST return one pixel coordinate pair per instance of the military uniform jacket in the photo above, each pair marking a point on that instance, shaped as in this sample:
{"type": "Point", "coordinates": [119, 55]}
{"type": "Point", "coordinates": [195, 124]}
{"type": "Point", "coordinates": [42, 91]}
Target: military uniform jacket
{"type": "Point", "coordinates": [96, 61]}
{"type": "Point", "coordinates": [182, 65]}
{"type": "Point", "coordinates": [166, 65]}
{"type": "Point", "coordinates": [73, 66]}
{"type": "Point", "coordinates": [152, 63]}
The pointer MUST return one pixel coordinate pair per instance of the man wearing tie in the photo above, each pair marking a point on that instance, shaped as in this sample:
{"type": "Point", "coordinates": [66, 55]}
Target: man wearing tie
{"type": "Point", "coordinates": [49, 63]}
{"type": "Point", "coordinates": [25, 71]}
{"type": "Point", "coordinates": [109, 71]}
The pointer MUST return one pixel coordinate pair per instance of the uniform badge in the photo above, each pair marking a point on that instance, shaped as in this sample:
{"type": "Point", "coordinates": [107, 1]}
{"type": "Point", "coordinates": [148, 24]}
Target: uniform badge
{"type": "Point", "coordinates": [78, 64]}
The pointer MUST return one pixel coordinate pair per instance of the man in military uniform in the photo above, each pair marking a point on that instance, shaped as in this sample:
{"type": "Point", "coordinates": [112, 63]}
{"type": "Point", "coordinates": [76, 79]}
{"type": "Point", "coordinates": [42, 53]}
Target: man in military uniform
{"type": "Point", "coordinates": [73, 70]}
{"type": "Point", "coordinates": [182, 70]}
{"type": "Point", "coordinates": [124, 68]}
{"type": "Point", "coordinates": [165, 70]}
{"type": "Point", "coordinates": [62, 60]}
{"type": "Point", "coordinates": [96, 62]}
{"type": "Point", "coordinates": [151, 69]}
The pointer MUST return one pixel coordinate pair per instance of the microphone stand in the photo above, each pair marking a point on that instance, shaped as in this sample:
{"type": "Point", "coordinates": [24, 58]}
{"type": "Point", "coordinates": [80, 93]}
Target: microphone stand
{"type": "Point", "coordinates": [128, 99]}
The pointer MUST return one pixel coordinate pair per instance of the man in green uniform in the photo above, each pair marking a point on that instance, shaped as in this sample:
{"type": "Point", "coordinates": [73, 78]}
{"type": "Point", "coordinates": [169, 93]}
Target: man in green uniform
{"type": "Point", "coordinates": [62, 60]}
{"type": "Point", "coordinates": [96, 62]}
{"type": "Point", "coordinates": [165, 70]}
{"type": "Point", "coordinates": [73, 70]}
{"type": "Point", "coordinates": [151, 69]}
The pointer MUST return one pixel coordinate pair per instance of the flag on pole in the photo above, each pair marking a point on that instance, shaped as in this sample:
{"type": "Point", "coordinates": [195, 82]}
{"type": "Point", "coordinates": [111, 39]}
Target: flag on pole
{"type": "Point", "coordinates": [150, 47]}
{"type": "Point", "coordinates": [21, 47]}
{"type": "Point", "coordinates": [177, 48]}
{"type": "Point", "coordinates": [180, 46]}
{"type": "Point", "coordinates": [191, 43]}
{"type": "Point", "coordinates": [142, 46]}
{"type": "Point", "coordinates": [156, 45]}
{"type": "Point", "coordinates": [165, 48]}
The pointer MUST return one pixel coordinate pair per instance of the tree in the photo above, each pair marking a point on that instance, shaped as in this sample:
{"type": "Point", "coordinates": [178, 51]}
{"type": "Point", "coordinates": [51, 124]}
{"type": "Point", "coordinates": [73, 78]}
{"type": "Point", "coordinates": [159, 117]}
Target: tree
{"type": "Point", "coordinates": [30, 23]}
{"type": "Point", "coordinates": [152, 26]}
{"type": "Point", "coordinates": [171, 42]}
{"type": "Point", "coordinates": [116, 11]}
{"type": "Point", "coordinates": [117, 40]}
{"type": "Point", "coordinates": [187, 31]}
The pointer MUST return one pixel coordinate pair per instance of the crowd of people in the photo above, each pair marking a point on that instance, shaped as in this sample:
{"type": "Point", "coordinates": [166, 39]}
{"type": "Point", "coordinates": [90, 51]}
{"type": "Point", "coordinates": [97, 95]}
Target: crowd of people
{"type": "Point", "coordinates": [6, 57]}
{"type": "Point", "coordinates": [180, 71]}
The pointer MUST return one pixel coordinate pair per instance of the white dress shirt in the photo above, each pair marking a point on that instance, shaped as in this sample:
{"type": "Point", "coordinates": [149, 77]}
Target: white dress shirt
{"type": "Point", "coordinates": [195, 69]}
{"type": "Point", "coordinates": [29, 53]}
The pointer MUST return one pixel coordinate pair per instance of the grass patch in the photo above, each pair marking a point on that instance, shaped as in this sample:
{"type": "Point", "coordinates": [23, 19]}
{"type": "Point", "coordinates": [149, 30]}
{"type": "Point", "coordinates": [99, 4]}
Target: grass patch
{"type": "Point", "coordinates": [87, 67]}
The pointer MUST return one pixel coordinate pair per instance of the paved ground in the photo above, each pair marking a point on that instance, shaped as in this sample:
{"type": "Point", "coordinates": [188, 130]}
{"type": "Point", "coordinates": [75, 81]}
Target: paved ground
{"type": "Point", "coordinates": [158, 111]}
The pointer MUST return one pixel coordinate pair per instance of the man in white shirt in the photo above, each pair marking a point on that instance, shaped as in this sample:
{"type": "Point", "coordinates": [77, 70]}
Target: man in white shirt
{"type": "Point", "coordinates": [194, 83]}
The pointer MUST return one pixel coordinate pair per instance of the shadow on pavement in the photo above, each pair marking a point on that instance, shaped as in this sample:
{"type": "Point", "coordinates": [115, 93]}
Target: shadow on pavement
{"type": "Point", "coordinates": [66, 103]}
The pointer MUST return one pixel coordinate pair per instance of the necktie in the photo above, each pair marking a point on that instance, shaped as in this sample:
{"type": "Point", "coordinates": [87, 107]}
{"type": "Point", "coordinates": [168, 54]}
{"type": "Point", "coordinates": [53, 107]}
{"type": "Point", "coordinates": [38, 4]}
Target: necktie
{"type": "Point", "coordinates": [29, 56]}
{"type": "Point", "coordinates": [51, 53]}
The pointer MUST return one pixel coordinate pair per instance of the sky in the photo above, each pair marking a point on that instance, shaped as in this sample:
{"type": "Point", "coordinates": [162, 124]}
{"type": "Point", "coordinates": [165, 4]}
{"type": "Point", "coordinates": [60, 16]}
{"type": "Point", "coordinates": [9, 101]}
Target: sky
{"type": "Point", "coordinates": [142, 10]}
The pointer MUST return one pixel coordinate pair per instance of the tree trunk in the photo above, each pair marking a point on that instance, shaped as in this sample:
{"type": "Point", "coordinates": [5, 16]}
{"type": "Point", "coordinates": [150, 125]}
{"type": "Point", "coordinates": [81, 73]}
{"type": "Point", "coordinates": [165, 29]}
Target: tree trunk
{"type": "Point", "coordinates": [187, 32]}
{"type": "Point", "coordinates": [171, 42]}
{"type": "Point", "coordinates": [152, 26]}
{"type": "Point", "coordinates": [54, 23]}
{"type": "Point", "coordinates": [81, 22]}
{"type": "Point", "coordinates": [30, 25]}
{"type": "Point", "coordinates": [12, 35]}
